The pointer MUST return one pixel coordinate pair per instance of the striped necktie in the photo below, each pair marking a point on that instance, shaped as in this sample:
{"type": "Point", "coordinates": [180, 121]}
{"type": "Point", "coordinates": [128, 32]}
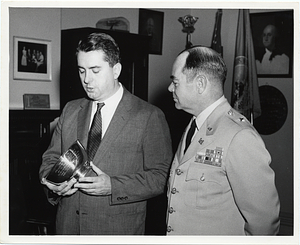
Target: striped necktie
{"type": "Point", "coordinates": [95, 134]}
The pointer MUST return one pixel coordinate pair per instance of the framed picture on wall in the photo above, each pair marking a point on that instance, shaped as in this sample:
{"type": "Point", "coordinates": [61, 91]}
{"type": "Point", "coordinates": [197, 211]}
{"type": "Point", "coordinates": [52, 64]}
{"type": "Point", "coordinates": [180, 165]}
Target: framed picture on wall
{"type": "Point", "coordinates": [273, 34]}
{"type": "Point", "coordinates": [151, 24]}
{"type": "Point", "coordinates": [32, 59]}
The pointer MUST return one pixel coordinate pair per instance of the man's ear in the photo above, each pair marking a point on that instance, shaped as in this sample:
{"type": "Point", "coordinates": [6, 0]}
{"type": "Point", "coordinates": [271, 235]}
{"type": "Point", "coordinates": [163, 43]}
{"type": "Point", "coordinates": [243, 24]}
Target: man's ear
{"type": "Point", "coordinates": [201, 83]}
{"type": "Point", "coordinates": [117, 70]}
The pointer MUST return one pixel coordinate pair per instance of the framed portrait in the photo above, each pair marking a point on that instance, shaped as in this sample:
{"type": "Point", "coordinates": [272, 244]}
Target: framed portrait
{"type": "Point", "coordinates": [36, 101]}
{"type": "Point", "coordinates": [273, 34]}
{"type": "Point", "coordinates": [151, 24]}
{"type": "Point", "coordinates": [32, 59]}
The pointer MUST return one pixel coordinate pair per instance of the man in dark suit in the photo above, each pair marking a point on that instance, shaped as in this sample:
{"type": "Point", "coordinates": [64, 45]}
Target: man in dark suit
{"type": "Point", "coordinates": [220, 180]}
{"type": "Point", "coordinates": [132, 162]}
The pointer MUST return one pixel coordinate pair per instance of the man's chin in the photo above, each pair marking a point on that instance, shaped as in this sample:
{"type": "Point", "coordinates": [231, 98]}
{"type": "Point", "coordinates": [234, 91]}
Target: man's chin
{"type": "Point", "coordinates": [177, 106]}
{"type": "Point", "coordinates": [91, 96]}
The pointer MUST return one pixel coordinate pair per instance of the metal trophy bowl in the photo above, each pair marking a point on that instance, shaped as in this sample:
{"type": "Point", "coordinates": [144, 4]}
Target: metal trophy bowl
{"type": "Point", "coordinates": [73, 163]}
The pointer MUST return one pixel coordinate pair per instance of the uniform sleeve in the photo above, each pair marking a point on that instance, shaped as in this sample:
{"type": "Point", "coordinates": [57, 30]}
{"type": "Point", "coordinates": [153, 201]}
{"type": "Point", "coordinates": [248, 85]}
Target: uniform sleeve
{"type": "Point", "coordinates": [253, 183]}
{"type": "Point", "coordinates": [157, 157]}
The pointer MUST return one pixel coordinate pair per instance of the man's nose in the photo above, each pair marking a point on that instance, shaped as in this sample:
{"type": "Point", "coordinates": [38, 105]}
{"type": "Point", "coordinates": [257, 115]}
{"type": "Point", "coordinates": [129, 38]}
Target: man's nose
{"type": "Point", "coordinates": [87, 78]}
{"type": "Point", "coordinates": [171, 87]}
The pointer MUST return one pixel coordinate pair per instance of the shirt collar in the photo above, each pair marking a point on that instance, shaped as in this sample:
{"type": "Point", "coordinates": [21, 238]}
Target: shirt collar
{"type": "Point", "coordinates": [205, 114]}
{"type": "Point", "coordinates": [108, 109]}
{"type": "Point", "coordinates": [113, 100]}
{"type": "Point", "coordinates": [268, 51]}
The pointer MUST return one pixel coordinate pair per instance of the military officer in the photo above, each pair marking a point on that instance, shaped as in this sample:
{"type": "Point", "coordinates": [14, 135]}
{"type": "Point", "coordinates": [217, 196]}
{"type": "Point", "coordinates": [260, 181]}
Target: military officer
{"type": "Point", "coordinates": [221, 182]}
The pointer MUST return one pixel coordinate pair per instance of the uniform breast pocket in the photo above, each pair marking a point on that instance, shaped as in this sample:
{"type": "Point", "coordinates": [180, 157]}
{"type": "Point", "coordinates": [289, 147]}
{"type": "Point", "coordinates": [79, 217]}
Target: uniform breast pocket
{"type": "Point", "coordinates": [205, 186]}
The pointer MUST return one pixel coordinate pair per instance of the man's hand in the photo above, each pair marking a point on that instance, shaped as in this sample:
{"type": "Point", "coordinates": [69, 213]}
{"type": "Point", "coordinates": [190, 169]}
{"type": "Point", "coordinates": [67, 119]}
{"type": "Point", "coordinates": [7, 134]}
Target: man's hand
{"type": "Point", "coordinates": [97, 186]}
{"type": "Point", "coordinates": [64, 189]}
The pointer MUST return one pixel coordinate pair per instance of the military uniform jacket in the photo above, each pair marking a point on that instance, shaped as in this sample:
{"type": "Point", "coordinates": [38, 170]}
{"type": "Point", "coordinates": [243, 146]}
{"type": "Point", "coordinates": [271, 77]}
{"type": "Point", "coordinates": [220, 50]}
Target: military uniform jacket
{"type": "Point", "coordinates": [223, 184]}
{"type": "Point", "coordinates": [135, 152]}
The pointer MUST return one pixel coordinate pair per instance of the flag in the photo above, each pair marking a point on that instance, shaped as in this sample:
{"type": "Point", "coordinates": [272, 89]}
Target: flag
{"type": "Point", "coordinates": [245, 93]}
{"type": "Point", "coordinates": [216, 40]}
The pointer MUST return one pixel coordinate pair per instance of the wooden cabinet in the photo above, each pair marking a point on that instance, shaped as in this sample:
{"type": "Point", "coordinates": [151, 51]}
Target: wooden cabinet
{"type": "Point", "coordinates": [29, 137]}
{"type": "Point", "coordinates": [134, 60]}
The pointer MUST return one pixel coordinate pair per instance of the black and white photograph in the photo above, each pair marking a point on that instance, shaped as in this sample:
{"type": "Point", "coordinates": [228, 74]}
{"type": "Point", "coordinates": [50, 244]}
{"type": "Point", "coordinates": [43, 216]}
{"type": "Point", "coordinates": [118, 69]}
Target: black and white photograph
{"type": "Point", "coordinates": [145, 123]}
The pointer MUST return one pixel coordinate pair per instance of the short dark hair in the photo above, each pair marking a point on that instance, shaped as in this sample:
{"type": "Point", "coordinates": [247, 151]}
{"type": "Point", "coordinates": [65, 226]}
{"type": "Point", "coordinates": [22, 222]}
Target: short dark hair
{"type": "Point", "coordinates": [103, 42]}
{"type": "Point", "coordinates": [205, 60]}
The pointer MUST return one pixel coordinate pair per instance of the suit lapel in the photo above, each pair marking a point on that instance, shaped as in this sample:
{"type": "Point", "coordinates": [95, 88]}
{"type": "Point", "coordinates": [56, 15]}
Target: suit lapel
{"type": "Point", "coordinates": [181, 145]}
{"type": "Point", "coordinates": [117, 123]}
{"type": "Point", "coordinates": [84, 117]}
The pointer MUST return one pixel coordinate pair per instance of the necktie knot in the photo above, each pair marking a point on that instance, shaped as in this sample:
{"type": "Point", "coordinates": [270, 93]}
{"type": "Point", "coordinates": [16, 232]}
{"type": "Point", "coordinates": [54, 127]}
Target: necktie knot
{"type": "Point", "coordinates": [99, 106]}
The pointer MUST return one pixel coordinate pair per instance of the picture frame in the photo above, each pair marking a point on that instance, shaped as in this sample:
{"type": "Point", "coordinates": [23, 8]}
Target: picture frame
{"type": "Point", "coordinates": [32, 59]}
{"type": "Point", "coordinates": [280, 26]}
{"type": "Point", "coordinates": [151, 24]}
{"type": "Point", "coordinates": [36, 101]}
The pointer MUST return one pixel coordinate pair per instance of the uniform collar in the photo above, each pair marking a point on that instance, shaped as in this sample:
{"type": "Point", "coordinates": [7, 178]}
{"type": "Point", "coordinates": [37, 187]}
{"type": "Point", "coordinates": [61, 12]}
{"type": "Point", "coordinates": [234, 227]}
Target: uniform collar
{"type": "Point", "coordinates": [201, 118]}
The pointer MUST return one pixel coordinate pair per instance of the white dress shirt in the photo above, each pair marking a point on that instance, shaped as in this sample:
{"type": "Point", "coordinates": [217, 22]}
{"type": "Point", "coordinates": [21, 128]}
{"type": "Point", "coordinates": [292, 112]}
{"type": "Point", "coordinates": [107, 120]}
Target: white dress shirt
{"type": "Point", "coordinates": [278, 65]}
{"type": "Point", "coordinates": [108, 110]}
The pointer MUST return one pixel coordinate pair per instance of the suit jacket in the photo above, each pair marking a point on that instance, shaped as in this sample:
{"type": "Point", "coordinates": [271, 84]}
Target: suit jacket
{"type": "Point", "coordinates": [135, 152]}
{"type": "Point", "coordinates": [223, 184]}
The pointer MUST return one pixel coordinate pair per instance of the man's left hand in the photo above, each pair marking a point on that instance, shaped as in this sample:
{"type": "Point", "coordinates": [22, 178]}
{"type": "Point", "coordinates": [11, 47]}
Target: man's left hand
{"type": "Point", "coordinates": [97, 186]}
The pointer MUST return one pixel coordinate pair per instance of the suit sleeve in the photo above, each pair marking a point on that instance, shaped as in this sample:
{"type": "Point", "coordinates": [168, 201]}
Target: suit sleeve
{"type": "Point", "coordinates": [157, 157]}
{"type": "Point", "coordinates": [49, 158]}
{"type": "Point", "coordinates": [253, 183]}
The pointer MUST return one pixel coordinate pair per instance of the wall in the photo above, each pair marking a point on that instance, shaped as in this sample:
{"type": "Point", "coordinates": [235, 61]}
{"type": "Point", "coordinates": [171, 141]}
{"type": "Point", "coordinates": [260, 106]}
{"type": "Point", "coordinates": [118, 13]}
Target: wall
{"type": "Point", "coordinates": [47, 23]}
{"type": "Point", "coordinates": [39, 24]}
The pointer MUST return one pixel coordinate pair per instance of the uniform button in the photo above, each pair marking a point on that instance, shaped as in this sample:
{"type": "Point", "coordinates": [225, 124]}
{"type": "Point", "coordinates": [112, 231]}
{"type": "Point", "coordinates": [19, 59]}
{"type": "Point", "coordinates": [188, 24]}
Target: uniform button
{"type": "Point", "coordinates": [77, 212]}
{"type": "Point", "coordinates": [173, 191]}
{"type": "Point", "coordinates": [171, 210]}
{"type": "Point", "coordinates": [169, 229]}
{"type": "Point", "coordinates": [202, 178]}
{"type": "Point", "coordinates": [178, 172]}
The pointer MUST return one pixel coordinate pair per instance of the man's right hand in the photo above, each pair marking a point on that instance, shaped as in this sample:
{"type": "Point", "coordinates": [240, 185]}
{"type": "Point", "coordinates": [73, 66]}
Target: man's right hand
{"type": "Point", "coordinates": [64, 189]}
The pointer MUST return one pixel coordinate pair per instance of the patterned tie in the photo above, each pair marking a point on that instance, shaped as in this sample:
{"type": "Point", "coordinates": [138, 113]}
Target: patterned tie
{"type": "Point", "coordinates": [95, 134]}
{"type": "Point", "coordinates": [190, 134]}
